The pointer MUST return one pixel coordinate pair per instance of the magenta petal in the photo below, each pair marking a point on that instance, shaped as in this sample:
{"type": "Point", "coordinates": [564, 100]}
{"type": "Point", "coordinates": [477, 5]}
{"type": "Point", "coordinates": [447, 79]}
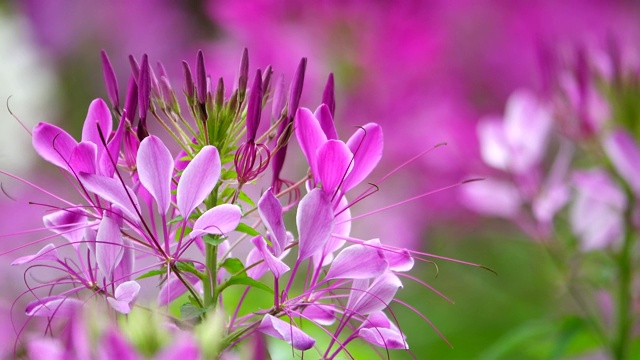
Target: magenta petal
{"type": "Point", "coordinates": [289, 333]}
{"type": "Point", "coordinates": [125, 294]}
{"type": "Point", "coordinates": [366, 145]}
{"type": "Point", "coordinates": [624, 153]}
{"type": "Point", "coordinates": [53, 144]}
{"type": "Point", "coordinates": [270, 211]}
{"type": "Point", "coordinates": [155, 169]}
{"type": "Point", "coordinates": [275, 265]}
{"type": "Point", "coordinates": [53, 306]}
{"type": "Point", "coordinates": [494, 146]}
{"type": "Point", "coordinates": [315, 223]}
{"type": "Point", "coordinates": [114, 192]}
{"type": "Point", "coordinates": [358, 262]}
{"type": "Point", "coordinates": [108, 245]}
{"type": "Point", "coordinates": [198, 180]}
{"type": "Point", "coordinates": [83, 158]}
{"type": "Point", "coordinates": [399, 260]}
{"type": "Point", "coordinates": [256, 271]}
{"type": "Point", "coordinates": [64, 222]}
{"type": "Point", "coordinates": [114, 346]}
{"type": "Point", "coordinates": [45, 348]}
{"type": "Point", "coordinates": [220, 220]}
{"type": "Point", "coordinates": [323, 114]}
{"type": "Point", "coordinates": [383, 337]}
{"type": "Point", "coordinates": [334, 161]}
{"type": "Point", "coordinates": [108, 158]}
{"type": "Point", "coordinates": [47, 253]}
{"type": "Point", "coordinates": [98, 116]}
{"type": "Point", "coordinates": [184, 349]}
{"type": "Point", "coordinates": [492, 197]}
{"type": "Point", "coordinates": [378, 296]}
{"type": "Point", "coordinates": [173, 288]}
{"type": "Point", "coordinates": [310, 136]}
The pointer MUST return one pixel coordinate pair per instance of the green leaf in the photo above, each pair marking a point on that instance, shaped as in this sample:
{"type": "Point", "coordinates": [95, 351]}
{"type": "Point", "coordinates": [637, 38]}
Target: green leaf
{"type": "Point", "coordinates": [244, 197]}
{"type": "Point", "coordinates": [176, 219]}
{"type": "Point", "coordinates": [244, 228]}
{"type": "Point", "coordinates": [187, 266]}
{"type": "Point", "coordinates": [188, 311]}
{"type": "Point", "coordinates": [233, 266]}
{"type": "Point", "coordinates": [243, 279]}
{"type": "Point", "coordinates": [151, 274]}
{"type": "Point", "coordinates": [229, 174]}
{"type": "Point", "coordinates": [214, 240]}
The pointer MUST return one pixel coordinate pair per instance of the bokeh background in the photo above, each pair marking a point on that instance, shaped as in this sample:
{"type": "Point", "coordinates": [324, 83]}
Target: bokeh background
{"type": "Point", "coordinates": [427, 71]}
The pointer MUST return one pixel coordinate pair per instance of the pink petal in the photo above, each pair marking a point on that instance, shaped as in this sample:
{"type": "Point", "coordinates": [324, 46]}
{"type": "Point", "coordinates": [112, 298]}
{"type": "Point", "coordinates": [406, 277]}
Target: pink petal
{"type": "Point", "coordinates": [64, 222]}
{"type": "Point", "coordinates": [256, 272]}
{"type": "Point", "coordinates": [323, 114]}
{"type": "Point", "coordinates": [114, 346]}
{"type": "Point", "coordinates": [114, 192]}
{"type": "Point", "coordinates": [109, 242]}
{"type": "Point", "coordinates": [45, 348]}
{"type": "Point", "coordinates": [98, 116]}
{"type": "Point", "coordinates": [358, 262]}
{"type": "Point", "coordinates": [83, 158]}
{"type": "Point", "coordinates": [323, 314]}
{"type": "Point", "coordinates": [366, 145]}
{"type": "Point", "coordinates": [198, 180]}
{"type": "Point", "coordinates": [155, 169]}
{"type": "Point", "coordinates": [399, 260]}
{"type": "Point", "coordinates": [125, 294]}
{"type": "Point", "coordinates": [494, 147]}
{"type": "Point", "coordinates": [173, 288]}
{"type": "Point", "coordinates": [334, 161]}
{"type": "Point", "coordinates": [492, 197]}
{"type": "Point", "coordinates": [382, 337]}
{"type": "Point", "coordinates": [270, 211]}
{"type": "Point", "coordinates": [624, 153]}
{"type": "Point", "coordinates": [315, 223]}
{"type": "Point", "coordinates": [53, 306]}
{"type": "Point", "coordinates": [47, 253]}
{"type": "Point", "coordinates": [310, 136]}
{"type": "Point", "coordinates": [275, 265]}
{"type": "Point", "coordinates": [53, 144]}
{"type": "Point", "coordinates": [108, 158]}
{"type": "Point", "coordinates": [220, 220]}
{"type": "Point", "coordinates": [282, 330]}
{"type": "Point", "coordinates": [378, 296]}
{"type": "Point", "coordinates": [184, 349]}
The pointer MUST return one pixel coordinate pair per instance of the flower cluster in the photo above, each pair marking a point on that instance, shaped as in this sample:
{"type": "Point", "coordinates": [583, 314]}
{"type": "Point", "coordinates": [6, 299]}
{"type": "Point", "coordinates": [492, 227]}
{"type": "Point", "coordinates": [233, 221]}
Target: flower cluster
{"type": "Point", "coordinates": [144, 212]}
{"type": "Point", "coordinates": [575, 146]}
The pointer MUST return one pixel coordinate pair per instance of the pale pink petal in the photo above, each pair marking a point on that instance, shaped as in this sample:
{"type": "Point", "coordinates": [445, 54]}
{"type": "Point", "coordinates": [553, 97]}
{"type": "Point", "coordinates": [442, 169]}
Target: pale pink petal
{"type": "Point", "coordinates": [492, 197]}
{"type": "Point", "coordinates": [125, 294]}
{"type": "Point", "coordinates": [366, 145]}
{"type": "Point", "coordinates": [378, 296]}
{"type": "Point", "coordinates": [115, 346]}
{"type": "Point", "coordinates": [45, 348]}
{"type": "Point", "coordinates": [334, 161]}
{"type": "Point", "coordinates": [107, 159]}
{"type": "Point", "coordinates": [98, 116]}
{"type": "Point", "coordinates": [155, 169]}
{"type": "Point", "coordinates": [198, 180]}
{"type": "Point", "coordinates": [53, 144]}
{"type": "Point", "coordinates": [624, 153]}
{"type": "Point", "coordinates": [315, 223]}
{"type": "Point", "coordinates": [358, 262]}
{"type": "Point", "coordinates": [399, 260]}
{"type": "Point", "coordinates": [47, 253]}
{"type": "Point", "coordinates": [323, 114]}
{"type": "Point", "coordinates": [494, 147]}
{"type": "Point", "coordinates": [109, 242]}
{"type": "Point", "coordinates": [256, 271]}
{"type": "Point", "coordinates": [270, 211]}
{"type": "Point", "coordinates": [173, 288]}
{"type": "Point", "coordinates": [289, 333]}
{"type": "Point", "coordinates": [184, 349]}
{"type": "Point", "coordinates": [219, 220]}
{"type": "Point", "coordinates": [275, 265]}
{"type": "Point", "coordinates": [114, 192]}
{"type": "Point", "coordinates": [382, 337]}
{"type": "Point", "coordinates": [310, 136]}
{"type": "Point", "coordinates": [53, 306]}
{"type": "Point", "coordinates": [64, 222]}
{"type": "Point", "coordinates": [322, 314]}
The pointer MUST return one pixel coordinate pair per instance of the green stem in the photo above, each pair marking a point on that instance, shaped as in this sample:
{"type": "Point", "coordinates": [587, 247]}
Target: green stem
{"type": "Point", "coordinates": [211, 260]}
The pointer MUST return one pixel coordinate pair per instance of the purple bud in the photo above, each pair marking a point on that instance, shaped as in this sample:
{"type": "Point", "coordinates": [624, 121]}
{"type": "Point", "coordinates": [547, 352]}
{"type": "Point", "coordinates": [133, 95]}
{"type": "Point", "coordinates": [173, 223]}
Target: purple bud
{"type": "Point", "coordinates": [201, 78]}
{"type": "Point", "coordinates": [254, 109]}
{"type": "Point", "coordinates": [266, 79]}
{"type": "Point", "coordinates": [144, 89]}
{"type": "Point", "coordinates": [135, 67]}
{"type": "Point", "coordinates": [328, 96]}
{"type": "Point", "coordinates": [190, 87]}
{"type": "Point", "coordinates": [219, 96]}
{"type": "Point", "coordinates": [243, 75]}
{"type": "Point", "coordinates": [278, 101]}
{"type": "Point", "coordinates": [110, 80]}
{"type": "Point", "coordinates": [166, 91]}
{"type": "Point", "coordinates": [131, 102]}
{"type": "Point", "coordinates": [161, 70]}
{"type": "Point", "coordinates": [296, 87]}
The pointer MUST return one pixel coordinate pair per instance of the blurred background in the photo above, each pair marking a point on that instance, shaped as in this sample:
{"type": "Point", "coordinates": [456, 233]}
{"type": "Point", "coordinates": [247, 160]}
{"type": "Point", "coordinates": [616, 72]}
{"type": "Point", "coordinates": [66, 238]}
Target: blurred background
{"type": "Point", "coordinates": [427, 71]}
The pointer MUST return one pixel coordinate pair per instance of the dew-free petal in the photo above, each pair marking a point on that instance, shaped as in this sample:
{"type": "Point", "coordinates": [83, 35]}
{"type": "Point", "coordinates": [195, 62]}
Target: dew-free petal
{"type": "Point", "coordinates": [315, 223]}
{"type": "Point", "coordinates": [125, 294]}
{"type": "Point", "coordinates": [98, 117]}
{"type": "Point", "coordinates": [198, 180]}
{"type": "Point", "coordinates": [289, 333]}
{"type": "Point", "coordinates": [382, 337]}
{"type": "Point", "coordinates": [108, 245]}
{"type": "Point", "coordinates": [173, 288]}
{"type": "Point", "coordinates": [323, 114]}
{"type": "Point", "coordinates": [358, 262]}
{"type": "Point", "coordinates": [378, 296]}
{"type": "Point", "coordinates": [310, 136]}
{"type": "Point", "coordinates": [47, 253]}
{"type": "Point", "coordinates": [334, 161]}
{"type": "Point", "coordinates": [53, 306]}
{"type": "Point", "coordinates": [155, 169]}
{"type": "Point", "coordinates": [219, 220]}
{"type": "Point", "coordinates": [624, 153]}
{"type": "Point", "coordinates": [366, 145]}
{"type": "Point", "coordinates": [53, 144]}
{"type": "Point", "coordinates": [275, 265]}
{"type": "Point", "coordinates": [270, 211]}
{"type": "Point", "coordinates": [114, 192]}
{"type": "Point", "coordinates": [83, 158]}
{"type": "Point", "coordinates": [67, 222]}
